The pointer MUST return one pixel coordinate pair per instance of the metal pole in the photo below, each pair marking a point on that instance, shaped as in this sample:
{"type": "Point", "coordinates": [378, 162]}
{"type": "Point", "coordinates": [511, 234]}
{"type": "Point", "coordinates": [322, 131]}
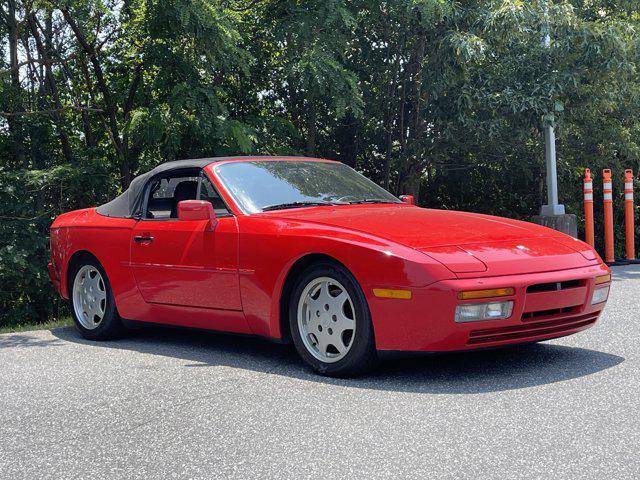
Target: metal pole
{"type": "Point", "coordinates": [552, 207]}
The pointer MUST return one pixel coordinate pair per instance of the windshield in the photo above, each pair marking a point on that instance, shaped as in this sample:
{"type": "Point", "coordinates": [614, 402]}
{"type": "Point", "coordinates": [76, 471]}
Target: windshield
{"type": "Point", "coordinates": [259, 186]}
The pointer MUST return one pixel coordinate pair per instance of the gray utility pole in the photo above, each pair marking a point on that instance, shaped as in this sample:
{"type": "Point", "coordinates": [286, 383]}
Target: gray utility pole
{"type": "Point", "coordinates": [552, 207]}
{"type": "Point", "coordinates": [553, 215]}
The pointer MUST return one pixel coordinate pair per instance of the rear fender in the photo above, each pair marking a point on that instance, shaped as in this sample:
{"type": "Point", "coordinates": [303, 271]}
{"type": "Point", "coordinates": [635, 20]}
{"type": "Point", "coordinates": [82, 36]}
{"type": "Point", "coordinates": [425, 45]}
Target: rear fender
{"type": "Point", "coordinates": [105, 238]}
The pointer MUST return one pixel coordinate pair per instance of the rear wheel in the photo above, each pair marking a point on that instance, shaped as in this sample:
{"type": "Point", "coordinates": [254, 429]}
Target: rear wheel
{"type": "Point", "coordinates": [92, 304]}
{"type": "Point", "coordinates": [330, 322]}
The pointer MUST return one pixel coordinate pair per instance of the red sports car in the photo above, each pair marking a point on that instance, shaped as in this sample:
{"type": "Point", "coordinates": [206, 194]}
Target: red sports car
{"type": "Point", "coordinates": [310, 251]}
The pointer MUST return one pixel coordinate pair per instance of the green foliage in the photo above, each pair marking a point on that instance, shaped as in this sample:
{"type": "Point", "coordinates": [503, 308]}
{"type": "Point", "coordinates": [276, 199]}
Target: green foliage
{"type": "Point", "coordinates": [30, 201]}
{"type": "Point", "coordinates": [48, 325]}
{"type": "Point", "coordinates": [443, 99]}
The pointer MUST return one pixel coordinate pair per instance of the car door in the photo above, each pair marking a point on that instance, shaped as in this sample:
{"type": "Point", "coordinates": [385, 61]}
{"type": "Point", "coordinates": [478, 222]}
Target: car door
{"type": "Point", "coordinates": [182, 262]}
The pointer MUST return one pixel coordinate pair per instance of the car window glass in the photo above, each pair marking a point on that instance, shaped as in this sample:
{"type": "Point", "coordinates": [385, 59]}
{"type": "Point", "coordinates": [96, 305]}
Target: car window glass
{"type": "Point", "coordinates": [166, 187]}
{"type": "Point", "coordinates": [259, 185]}
{"type": "Point", "coordinates": [167, 192]}
{"type": "Point", "coordinates": [209, 193]}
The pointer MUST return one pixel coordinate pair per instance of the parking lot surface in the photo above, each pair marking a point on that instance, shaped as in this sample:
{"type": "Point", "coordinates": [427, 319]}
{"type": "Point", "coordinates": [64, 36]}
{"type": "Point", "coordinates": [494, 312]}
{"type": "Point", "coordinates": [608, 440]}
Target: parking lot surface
{"type": "Point", "coordinates": [166, 403]}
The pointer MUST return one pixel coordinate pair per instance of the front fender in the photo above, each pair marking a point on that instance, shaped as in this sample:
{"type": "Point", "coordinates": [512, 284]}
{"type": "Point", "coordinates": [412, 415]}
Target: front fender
{"type": "Point", "coordinates": [269, 248]}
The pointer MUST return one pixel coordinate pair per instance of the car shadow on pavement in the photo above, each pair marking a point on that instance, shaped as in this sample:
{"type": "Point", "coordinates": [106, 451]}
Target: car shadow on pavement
{"type": "Point", "coordinates": [17, 340]}
{"type": "Point", "coordinates": [460, 373]}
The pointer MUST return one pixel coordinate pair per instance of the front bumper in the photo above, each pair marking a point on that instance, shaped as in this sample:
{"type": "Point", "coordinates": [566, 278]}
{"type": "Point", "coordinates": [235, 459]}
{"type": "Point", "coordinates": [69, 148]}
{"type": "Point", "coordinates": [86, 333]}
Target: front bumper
{"type": "Point", "coordinates": [426, 322]}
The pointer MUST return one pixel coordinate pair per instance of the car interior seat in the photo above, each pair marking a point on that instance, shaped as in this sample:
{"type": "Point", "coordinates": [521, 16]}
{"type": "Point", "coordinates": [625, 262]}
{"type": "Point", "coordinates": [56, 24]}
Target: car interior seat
{"type": "Point", "coordinates": [186, 190]}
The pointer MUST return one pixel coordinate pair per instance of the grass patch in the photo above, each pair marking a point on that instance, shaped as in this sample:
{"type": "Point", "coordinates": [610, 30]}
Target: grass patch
{"type": "Point", "coordinates": [25, 327]}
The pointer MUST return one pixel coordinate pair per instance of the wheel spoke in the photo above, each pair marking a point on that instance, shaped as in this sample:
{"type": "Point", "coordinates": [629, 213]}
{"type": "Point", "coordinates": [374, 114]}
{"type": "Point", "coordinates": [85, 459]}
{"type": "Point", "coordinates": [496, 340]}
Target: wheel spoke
{"type": "Point", "coordinates": [341, 347]}
{"type": "Point", "coordinates": [313, 306]}
{"type": "Point", "coordinates": [324, 297]}
{"type": "Point", "coordinates": [95, 280]}
{"type": "Point", "coordinates": [343, 323]}
{"type": "Point", "coordinates": [90, 313]}
{"type": "Point", "coordinates": [312, 325]}
{"type": "Point", "coordinates": [322, 343]}
{"type": "Point", "coordinates": [338, 302]}
{"type": "Point", "coordinates": [100, 295]}
{"type": "Point", "coordinates": [99, 309]}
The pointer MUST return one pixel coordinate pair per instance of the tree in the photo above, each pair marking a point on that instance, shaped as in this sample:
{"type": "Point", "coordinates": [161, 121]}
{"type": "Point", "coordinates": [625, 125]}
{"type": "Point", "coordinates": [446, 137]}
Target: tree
{"type": "Point", "coordinates": [439, 98]}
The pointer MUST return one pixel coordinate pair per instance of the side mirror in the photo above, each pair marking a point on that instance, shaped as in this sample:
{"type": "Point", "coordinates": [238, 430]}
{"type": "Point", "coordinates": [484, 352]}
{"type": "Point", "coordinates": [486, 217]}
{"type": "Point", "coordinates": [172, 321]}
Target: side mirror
{"type": "Point", "coordinates": [197, 210]}
{"type": "Point", "coordinates": [408, 199]}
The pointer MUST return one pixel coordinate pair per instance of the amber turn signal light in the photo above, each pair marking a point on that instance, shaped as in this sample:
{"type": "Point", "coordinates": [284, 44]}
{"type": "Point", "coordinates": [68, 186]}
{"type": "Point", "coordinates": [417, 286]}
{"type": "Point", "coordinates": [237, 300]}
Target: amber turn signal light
{"type": "Point", "coordinates": [386, 293]}
{"type": "Point", "coordinates": [495, 292]}
{"type": "Point", "coordinates": [603, 279]}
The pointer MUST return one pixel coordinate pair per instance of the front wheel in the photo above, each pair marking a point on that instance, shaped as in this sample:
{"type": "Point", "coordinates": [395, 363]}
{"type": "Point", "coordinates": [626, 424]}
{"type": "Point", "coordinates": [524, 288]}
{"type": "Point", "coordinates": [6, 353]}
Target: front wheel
{"type": "Point", "coordinates": [92, 304]}
{"type": "Point", "coordinates": [330, 322]}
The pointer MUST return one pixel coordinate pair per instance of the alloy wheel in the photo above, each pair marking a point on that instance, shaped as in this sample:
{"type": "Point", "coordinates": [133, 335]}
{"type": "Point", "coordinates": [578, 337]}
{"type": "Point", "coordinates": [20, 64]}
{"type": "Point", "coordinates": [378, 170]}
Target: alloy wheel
{"type": "Point", "coordinates": [89, 297]}
{"type": "Point", "coordinates": [326, 319]}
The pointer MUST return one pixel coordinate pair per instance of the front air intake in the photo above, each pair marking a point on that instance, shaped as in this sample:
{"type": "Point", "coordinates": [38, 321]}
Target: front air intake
{"type": "Point", "coordinates": [555, 286]}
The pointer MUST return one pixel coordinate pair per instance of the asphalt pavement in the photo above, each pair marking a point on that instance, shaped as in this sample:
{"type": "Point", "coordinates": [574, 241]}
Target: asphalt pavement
{"type": "Point", "coordinates": [167, 404]}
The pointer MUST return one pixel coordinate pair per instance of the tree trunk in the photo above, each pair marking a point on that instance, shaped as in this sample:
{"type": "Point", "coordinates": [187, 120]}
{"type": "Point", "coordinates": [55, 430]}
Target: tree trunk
{"type": "Point", "coordinates": [415, 129]}
{"type": "Point", "coordinates": [38, 133]}
{"type": "Point", "coordinates": [89, 136]}
{"type": "Point", "coordinates": [16, 129]}
{"type": "Point", "coordinates": [109, 106]}
{"type": "Point", "coordinates": [389, 123]}
{"type": "Point", "coordinates": [44, 51]}
{"type": "Point", "coordinates": [120, 142]}
{"type": "Point", "coordinates": [311, 130]}
{"type": "Point", "coordinates": [347, 140]}
{"type": "Point", "coordinates": [129, 154]}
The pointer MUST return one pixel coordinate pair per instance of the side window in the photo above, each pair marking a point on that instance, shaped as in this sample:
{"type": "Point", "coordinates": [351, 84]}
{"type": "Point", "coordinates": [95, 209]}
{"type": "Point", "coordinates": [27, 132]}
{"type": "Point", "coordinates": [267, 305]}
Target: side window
{"type": "Point", "coordinates": [166, 192]}
{"type": "Point", "coordinates": [208, 193]}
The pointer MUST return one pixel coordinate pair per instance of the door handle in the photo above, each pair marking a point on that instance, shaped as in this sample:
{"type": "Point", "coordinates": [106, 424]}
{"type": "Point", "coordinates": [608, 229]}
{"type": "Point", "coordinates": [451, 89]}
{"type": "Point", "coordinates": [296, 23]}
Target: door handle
{"type": "Point", "coordinates": [143, 238]}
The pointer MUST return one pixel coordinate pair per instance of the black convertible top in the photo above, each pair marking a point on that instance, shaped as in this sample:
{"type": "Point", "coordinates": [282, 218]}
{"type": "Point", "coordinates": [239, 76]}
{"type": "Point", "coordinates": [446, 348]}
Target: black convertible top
{"type": "Point", "coordinates": [129, 203]}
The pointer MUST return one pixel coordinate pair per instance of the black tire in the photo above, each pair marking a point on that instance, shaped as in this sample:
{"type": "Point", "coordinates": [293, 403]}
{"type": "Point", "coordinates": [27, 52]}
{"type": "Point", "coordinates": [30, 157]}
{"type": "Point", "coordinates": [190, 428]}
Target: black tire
{"type": "Point", "coordinates": [111, 325]}
{"type": "Point", "coordinates": [361, 356]}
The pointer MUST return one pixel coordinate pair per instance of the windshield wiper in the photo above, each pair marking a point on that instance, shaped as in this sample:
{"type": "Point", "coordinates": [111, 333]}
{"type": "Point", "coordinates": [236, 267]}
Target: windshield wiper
{"type": "Point", "coordinates": [281, 206]}
{"type": "Point", "coordinates": [371, 200]}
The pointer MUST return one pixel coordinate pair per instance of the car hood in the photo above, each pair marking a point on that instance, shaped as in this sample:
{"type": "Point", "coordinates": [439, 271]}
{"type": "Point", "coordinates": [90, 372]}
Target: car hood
{"type": "Point", "coordinates": [468, 244]}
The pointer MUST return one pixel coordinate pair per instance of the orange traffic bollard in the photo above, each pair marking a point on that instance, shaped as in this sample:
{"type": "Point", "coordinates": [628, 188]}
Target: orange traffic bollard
{"type": "Point", "coordinates": [609, 256]}
{"type": "Point", "coordinates": [628, 215]}
{"type": "Point", "coordinates": [588, 208]}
